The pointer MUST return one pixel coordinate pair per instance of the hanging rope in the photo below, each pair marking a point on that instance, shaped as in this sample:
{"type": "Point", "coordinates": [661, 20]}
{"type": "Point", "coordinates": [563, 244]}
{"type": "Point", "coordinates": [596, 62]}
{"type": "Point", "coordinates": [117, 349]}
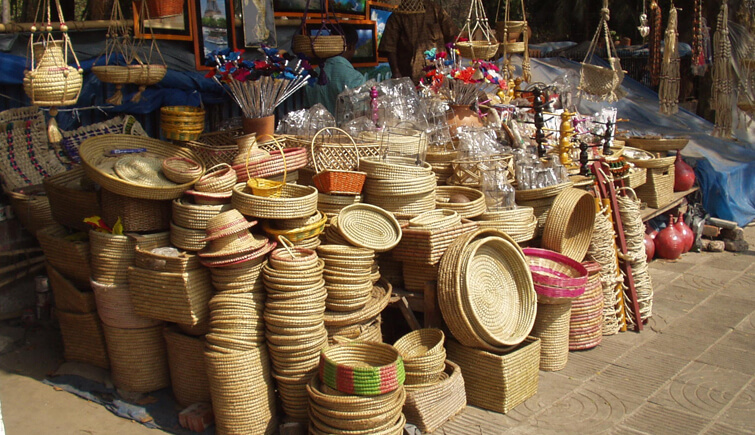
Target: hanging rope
{"type": "Point", "coordinates": [634, 234]}
{"type": "Point", "coordinates": [668, 92]}
{"type": "Point", "coordinates": [603, 251]}
{"type": "Point", "coordinates": [598, 83]}
{"type": "Point", "coordinates": [723, 76]}
{"type": "Point", "coordinates": [654, 45]}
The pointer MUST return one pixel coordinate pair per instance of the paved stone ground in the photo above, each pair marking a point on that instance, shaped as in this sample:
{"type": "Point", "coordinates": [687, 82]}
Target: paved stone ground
{"type": "Point", "coordinates": [690, 371]}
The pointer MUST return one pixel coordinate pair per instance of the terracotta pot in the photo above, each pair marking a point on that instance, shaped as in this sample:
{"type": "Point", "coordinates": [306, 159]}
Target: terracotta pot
{"type": "Point", "coordinates": [649, 247]}
{"type": "Point", "coordinates": [669, 243]}
{"type": "Point", "coordinates": [260, 126]}
{"type": "Point", "coordinates": [685, 232]}
{"type": "Point", "coordinates": [463, 116]}
{"type": "Point", "coordinates": [684, 175]}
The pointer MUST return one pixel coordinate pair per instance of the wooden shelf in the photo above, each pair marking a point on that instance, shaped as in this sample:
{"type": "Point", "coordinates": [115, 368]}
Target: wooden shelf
{"type": "Point", "coordinates": [649, 213]}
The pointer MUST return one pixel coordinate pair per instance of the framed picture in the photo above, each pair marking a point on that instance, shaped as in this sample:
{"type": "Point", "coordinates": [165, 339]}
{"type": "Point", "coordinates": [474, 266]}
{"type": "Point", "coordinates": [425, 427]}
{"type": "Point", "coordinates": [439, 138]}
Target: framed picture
{"type": "Point", "coordinates": [165, 20]}
{"type": "Point", "coordinates": [348, 8]}
{"type": "Point", "coordinates": [291, 8]}
{"type": "Point", "coordinates": [379, 14]}
{"type": "Point", "coordinates": [259, 23]}
{"type": "Point", "coordinates": [215, 29]}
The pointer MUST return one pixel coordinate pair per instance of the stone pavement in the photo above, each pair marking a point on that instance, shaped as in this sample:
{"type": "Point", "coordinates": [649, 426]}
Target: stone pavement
{"type": "Point", "coordinates": [689, 372]}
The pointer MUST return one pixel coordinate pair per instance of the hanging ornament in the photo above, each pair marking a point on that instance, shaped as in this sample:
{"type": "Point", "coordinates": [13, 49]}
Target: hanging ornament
{"type": "Point", "coordinates": [510, 32]}
{"type": "Point", "coordinates": [699, 64]}
{"type": "Point", "coordinates": [723, 76]}
{"type": "Point", "coordinates": [118, 43]}
{"type": "Point", "coordinates": [668, 92]}
{"type": "Point", "coordinates": [644, 28]}
{"type": "Point", "coordinates": [50, 81]}
{"type": "Point", "coordinates": [654, 45]}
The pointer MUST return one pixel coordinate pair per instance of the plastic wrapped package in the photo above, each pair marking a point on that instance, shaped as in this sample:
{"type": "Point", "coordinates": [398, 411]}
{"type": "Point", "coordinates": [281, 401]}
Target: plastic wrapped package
{"type": "Point", "coordinates": [398, 102]}
{"type": "Point", "coordinates": [306, 122]}
{"type": "Point", "coordinates": [476, 142]}
{"type": "Point", "coordinates": [499, 194]}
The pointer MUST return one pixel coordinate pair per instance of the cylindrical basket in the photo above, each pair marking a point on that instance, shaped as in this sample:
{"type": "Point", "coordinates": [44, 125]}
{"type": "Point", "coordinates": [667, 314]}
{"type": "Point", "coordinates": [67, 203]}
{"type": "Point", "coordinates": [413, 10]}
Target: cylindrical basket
{"type": "Point", "coordinates": [83, 340]}
{"type": "Point", "coordinates": [188, 374]}
{"type": "Point", "coordinates": [115, 308]}
{"type": "Point", "coordinates": [138, 358]}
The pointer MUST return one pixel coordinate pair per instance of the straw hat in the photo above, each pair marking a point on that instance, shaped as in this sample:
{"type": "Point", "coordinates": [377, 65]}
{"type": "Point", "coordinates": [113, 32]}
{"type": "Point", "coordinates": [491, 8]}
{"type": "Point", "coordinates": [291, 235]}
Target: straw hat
{"type": "Point", "coordinates": [210, 198]}
{"type": "Point", "coordinates": [236, 260]}
{"type": "Point", "coordinates": [225, 224]}
{"type": "Point", "coordinates": [238, 243]}
{"type": "Point", "coordinates": [142, 170]}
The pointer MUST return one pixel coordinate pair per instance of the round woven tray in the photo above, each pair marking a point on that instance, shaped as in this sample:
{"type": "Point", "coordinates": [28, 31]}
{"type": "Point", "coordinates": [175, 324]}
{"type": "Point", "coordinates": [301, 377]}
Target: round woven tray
{"type": "Point", "coordinates": [652, 162]}
{"type": "Point", "coordinates": [435, 219]}
{"type": "Point", "coordinates": [96, 158]}
{"type": "Point", "coordinates": [368, 226]}
{"type": "Point", "coordinates": [475, 207]}
{"type": "Point", "coordinates": [543, 192]}
{"type": "Point", "coordinates": [657, 144]}
{"type": "Point", "coordinates": [394, 168]}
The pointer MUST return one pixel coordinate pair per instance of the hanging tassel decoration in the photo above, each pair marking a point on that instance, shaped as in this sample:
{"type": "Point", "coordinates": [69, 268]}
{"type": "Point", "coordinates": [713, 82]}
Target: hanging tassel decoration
{"type": "Point", "coordinates": [53, 132]}
{"type": "Point", "coordinates": [138, 96]}
{"type": "Point", "coordinates": [698, 52]}
{"type": "Point", "coordinates": [117, 98]}
{"type": "Point", "coordinates": [526, 73]}
{"type": "Point", "coordinates": [654, 44]}
{"type": "Point", "coordinates": [668, 92]}
{"type": "Point", "coordinates": [723, 76]}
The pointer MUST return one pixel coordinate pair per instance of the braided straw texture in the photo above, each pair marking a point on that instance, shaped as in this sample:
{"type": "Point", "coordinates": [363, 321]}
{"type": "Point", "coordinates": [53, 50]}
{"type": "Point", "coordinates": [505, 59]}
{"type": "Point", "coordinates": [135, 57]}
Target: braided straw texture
{"type": "Point", "coordinates": [294, 202]}
{"type": "Point", "coordinates": [95, 156]}
{"type": "Point", "coordinates": [369, 226]}
{"type": "Point", "coordinates": [658, 190]}
{"type": "Point", "coordinates": [83, 340]}
{"type": "Point", "coordinates": [111, 256]}
{"type": "Point", "coordinates": [429, 407]}
{"type": "Point", "coordinates": [242, 390]}
{"type": "Point", "coordinates": [68, 297]}
{"type": "Point", "coordinates": [115, 308]}
{"type": "Point", "coordinates": [362, 368]}
{"type": "Point", "coordinates": [188, 375]}
{"type": "Point", "coordinates": [634, 231]}
{"type": "Point", "coordinates": [195, 216]}
{"type": "Point", "coordinates": [603, 251]}
{"type": "Point", "coordinates": [32, 207]}
{"type": "Point", "coordinates": [568, 228]}
{"type": "Point", "coordinates": [394, 168]}
{"type": "Point", "coordinates": [69, 257]}
{"type": "Point", "coordinates": [138, 358]}
{"type": "Point", "coordinates": [136, 214]}
{"type": "Point", "coordinates": [498, 382]}
{"type": "Point", "coordinates": [552, 328]}
{"type": "Point", "coordinates": [170, 296]}
{"type": "Point", "coordinates": [427, 246]}
{"type": "Point", "coordinates": [586, 319]}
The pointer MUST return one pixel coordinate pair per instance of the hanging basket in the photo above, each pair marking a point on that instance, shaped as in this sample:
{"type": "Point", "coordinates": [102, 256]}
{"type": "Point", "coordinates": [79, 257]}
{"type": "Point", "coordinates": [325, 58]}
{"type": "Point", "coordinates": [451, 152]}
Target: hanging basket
{"type": "Point", "coordinates": [477, 24]}
{"type": "Point", "coordinates": [52, 82]}
{"type": "Point", "coordinates": [602, 82]}
{"type": "Point", "coordinates": [477, 49]}
{"type": "Point", "coordinates": [319, 46]}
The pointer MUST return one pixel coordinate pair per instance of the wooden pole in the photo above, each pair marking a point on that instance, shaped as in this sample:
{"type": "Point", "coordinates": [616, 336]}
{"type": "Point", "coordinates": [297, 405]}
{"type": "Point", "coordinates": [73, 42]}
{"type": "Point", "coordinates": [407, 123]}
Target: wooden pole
{"type": "Point", "coordinates": [72, 26]}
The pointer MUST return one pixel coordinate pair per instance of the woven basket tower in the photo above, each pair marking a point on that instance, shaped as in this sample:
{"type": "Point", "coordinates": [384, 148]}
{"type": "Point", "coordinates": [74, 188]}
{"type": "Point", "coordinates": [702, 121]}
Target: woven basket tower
{"type": "Point", "coordinates": [552, 328]}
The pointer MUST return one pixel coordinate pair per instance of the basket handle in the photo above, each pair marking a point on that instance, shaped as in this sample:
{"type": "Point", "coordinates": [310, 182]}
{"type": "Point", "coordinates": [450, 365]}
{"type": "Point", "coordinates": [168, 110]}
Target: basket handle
{"type": "Point", "coordinates": [287, 245]}
{"type": "Point", "coordinates": [312, 147]}
{"type": "Point", "coordinates": [219, 165]}
{"type": "Point", "coordinates": [629, 189]}
{"type": "Point", "coordinates": [283, 156]}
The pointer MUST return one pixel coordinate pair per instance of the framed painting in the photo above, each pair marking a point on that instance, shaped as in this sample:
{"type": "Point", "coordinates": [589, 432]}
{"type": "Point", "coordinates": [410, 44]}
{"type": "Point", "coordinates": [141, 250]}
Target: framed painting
{"type": "Point", "coordinates": [296, 8]}
{"type": "Point", "coordinates": [215, 29]}
{"type": "Point", "coordinates": [174, 21]}
{"type": "Point", "coordinates": [259, 23]}
{"type": "Point", "coordinates": [379, 14]}
{"type": "Point", "coordinates": [348, 8]}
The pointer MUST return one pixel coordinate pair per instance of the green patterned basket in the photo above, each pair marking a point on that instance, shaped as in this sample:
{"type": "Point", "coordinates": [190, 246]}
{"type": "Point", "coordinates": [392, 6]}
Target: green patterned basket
{"type": "Point", "coordinates": [362, 368]}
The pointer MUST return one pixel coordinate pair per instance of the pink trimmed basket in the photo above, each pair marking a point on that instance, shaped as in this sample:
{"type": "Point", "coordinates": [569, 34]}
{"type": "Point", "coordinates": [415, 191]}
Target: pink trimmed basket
{"type": "Point", "coordinates": [557, 278]}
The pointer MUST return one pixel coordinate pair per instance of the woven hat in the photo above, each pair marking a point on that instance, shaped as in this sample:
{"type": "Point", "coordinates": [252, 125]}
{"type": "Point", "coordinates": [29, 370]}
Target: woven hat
{"type": "Point", "coordinates": [146, 171]}
{"type": "Point", "coordinates": [210, 198]}
{"type": "Point", "coordinates": [237, 260]}
{"type": "Point", "coordinates": [237, 243]}
{"type": "Point", "coordinates": [226, 224]}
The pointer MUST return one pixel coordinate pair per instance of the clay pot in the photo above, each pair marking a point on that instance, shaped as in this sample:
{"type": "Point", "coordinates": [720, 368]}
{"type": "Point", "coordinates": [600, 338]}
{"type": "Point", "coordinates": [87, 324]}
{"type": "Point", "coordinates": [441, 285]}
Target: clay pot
{"type": "Point", "coordinates": [262, 127]}
{"type": "Point", "coordinates": [649, 247]}
{"type": "Point", "coordinates": [684, 175]}
{"type": "Point", "coordinates": [463, 116]}
{"type": "Point", "coordinates": [685, 232]}
{"type": "Point", "coordinates": [669, 243]}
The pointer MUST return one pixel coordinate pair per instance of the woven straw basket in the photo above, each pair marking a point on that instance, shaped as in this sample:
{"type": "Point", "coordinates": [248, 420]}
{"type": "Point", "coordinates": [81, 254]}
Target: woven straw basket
{"type": "Point", "coordinates": [429, 407]}
{"type": "Point", "coordinates": [115, 308]}
{"type": "Point", "coordinates": [320, 46]}
{"type": "Point", "coordinates": [52, 82]}
{"type": "Point", "coordinates": [68, 297]}
{"type": "Point", "coordinates": [568, 227]}
{"type": "Point", "coordinates": [498, 382]}
{"type": "Point", "coordinates": [32, 207]}
{"type": "Point", "coordinates": [138, 358]}
{"type": "Point", "coordinates": [82, 338]}
{"type": "Point", "coordinates": [72, 198]}
{"type": "Point", "coordinates": [552, 328]}
{"type": "Point", "coordinates": [188, 376]}
{"type": "Point", "coordinates": [68, 256]}
{"type": "Point", "coordinates": [658, 190]}
{"type": "Point", "coordinates": [477, 49]}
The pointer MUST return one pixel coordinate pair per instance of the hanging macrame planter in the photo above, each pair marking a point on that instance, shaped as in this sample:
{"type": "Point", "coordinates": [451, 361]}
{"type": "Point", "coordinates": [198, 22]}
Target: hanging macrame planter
{"type": "Point", "coordinates": [118, 43]}
{"type": "Point", "coordinates": [511, 31]}
{"type": "Point", "coordinates": [143, 69]}
{"type": "Point", "coordinates": [50, 81]}
{"type": "Point", "coordinates": [599, 83]}
{"type": "Point", "coordinates": [723, 76]}
{"type": "Point", "coordinates": [482, 44]}
{"type": "Point", "coordinates": [668, 92]}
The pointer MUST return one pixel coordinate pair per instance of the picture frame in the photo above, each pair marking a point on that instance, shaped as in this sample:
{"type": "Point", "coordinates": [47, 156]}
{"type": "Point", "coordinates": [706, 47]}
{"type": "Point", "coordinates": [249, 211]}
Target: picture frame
{"type": "Point", "coordinates": [296, 8]}
{"type": "Point", "coordinates": [379, 13]}
{"type": "Point", "coordinates": [176, 27]}
{"type": "Point", "coordinates": [215, 29]}
{"type": "Point", "coordinates": [348, 8]}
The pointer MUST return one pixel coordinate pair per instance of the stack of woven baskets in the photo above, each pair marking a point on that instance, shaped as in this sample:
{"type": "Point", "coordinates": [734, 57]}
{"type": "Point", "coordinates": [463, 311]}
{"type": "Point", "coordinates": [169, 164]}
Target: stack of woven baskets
{"type": "Point", "coordinates": [466, 201]}
{"type": "Point", "coordinates": [294, 315]}
{"type": "Point", "coordinates": [301, 232]}
{"type": "Point", "coordinates": [440, 161]}
{"type": "Point", "coordinates": [182, 123]}
{"type": "Point", "coordinates": [399, 186]}
{"type": "Point", "coordinates": [487, 298]}
{"type": "Point", "coordinates": [519, 223]}
{"type": "Point", "coordinates": [359, 390]}
{"type": "Point", "coordinates": [541, 201]}
{"type": "Point", "coordinates": [586, 318]}
{"type": "Point", "coordinates": [215, 186]}
{"type": "Point", "coordinates": [558, 280]}
{"type": "Point", "coordinates": [236, 357]}
{"type": "Point", "coordinates": [658, 189]}
{"type": "Point", "coordinates": [434, 386]}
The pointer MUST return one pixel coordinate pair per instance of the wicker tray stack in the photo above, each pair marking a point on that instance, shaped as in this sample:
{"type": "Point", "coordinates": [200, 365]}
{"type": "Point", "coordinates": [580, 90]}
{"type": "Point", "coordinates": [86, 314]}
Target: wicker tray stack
{"type": "Point", "coordinates": [294, 314]}
{"type": "Point", "coordinates": [424, 357]}
{"type": "Point", "coordinates": [586, 319]}
{"type": "Point", "coordinates": [466, 201]}
{"type": "Point", "coordinates": [189, 221]}
{"type": "Point", "coordinates": [358, 390]}
{"type": "Point", "coordinates": [440, 161]}
{"type": "Point", "coordinates": [301, 232]}
{"type": "Point", "coordinates": [331, 205]}
{"type": "Point", "coordinates": [399, 186]}
{"type": "Point", "coordinates": [348, 276]}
